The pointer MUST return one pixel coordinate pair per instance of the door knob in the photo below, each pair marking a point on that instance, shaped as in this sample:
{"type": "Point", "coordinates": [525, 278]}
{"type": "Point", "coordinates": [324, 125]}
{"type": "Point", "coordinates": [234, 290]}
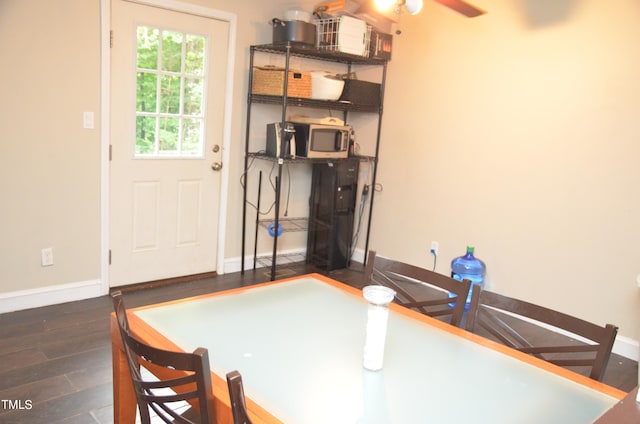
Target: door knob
{"type": "Point", "coordinates": [216, 166]}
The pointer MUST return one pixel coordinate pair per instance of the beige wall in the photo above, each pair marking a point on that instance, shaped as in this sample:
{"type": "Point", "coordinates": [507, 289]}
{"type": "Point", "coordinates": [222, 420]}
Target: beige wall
{"type": "Point", "coordinates": [519, 132]}
{"type": "Point", "coordinates": [50, 173]}
{"type": "Point", "coordinates": [516, 131]}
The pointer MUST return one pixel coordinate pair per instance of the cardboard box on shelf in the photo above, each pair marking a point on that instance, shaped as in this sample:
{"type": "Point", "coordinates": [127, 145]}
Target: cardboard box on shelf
{"type": "Point", "coordinates": [380, 45]}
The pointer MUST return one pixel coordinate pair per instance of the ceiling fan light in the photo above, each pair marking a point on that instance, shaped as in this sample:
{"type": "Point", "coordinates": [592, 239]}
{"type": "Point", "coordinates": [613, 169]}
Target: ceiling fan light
{"type": "Point", "coordinates": [384, 5]}
{"type": "Point", "coordinates": [413, 6]}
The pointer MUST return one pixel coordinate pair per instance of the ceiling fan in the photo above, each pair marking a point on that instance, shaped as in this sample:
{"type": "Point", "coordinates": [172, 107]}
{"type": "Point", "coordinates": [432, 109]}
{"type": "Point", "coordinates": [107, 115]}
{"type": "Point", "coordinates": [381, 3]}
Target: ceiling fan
{"type": "Point", "coordinates": [415, 6]}
{"type": "Point", "coordinates": [462, 7]}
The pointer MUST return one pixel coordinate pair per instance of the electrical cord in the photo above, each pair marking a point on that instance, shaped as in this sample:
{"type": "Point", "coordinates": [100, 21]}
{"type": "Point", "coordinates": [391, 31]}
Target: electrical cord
{"type": "Point", "coordinates": [273, 185]}
{"type": "Point", "coordinates": [260, 212]}
{"type": "Point", "coordinates": [435, 258]}
{"type": "Point", "coordinates": [356, 235]}
{"type": "Point", "coordinates": [365, 193]}
{"type": "Point", "coordinates": [243, 177]}
{"type": "Point", "coordinates": [286, 209]}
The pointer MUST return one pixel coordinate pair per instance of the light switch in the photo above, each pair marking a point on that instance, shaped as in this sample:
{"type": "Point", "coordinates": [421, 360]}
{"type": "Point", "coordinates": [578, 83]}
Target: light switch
{"type": "Point", "coordinates": [87, 120]}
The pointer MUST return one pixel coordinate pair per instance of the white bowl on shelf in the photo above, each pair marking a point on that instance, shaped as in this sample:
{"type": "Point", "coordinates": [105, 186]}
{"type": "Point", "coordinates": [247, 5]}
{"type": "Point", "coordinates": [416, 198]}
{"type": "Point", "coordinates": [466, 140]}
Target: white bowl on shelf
{"type": "Point", "coordinates": [325, 86]}
{"type": "Point", "coordinates": [297, 15]}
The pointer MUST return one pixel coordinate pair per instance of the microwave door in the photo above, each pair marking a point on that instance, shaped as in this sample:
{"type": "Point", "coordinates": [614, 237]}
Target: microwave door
{"type": "Point", "coordinates": [337, 143]}
{"type": "Point", "coordinates": [301, 137]}
{"type": "Point", "coordinates": [292, 145]}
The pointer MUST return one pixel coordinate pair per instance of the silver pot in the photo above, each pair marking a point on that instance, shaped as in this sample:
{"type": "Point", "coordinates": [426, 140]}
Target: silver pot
{"type": "Point", "coordinates": [293, 32]}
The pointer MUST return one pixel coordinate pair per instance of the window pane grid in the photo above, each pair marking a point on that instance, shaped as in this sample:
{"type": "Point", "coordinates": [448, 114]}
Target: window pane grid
{"type": "Point", "coordinates": [170, 105]}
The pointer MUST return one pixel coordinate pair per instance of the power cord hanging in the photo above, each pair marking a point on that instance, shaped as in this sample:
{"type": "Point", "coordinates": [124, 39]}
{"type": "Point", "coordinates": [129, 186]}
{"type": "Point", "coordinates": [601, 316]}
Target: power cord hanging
{"type": "Point", "coordinates": [435, 258]}
{"type": "Point", "coordinates": [363, 201]}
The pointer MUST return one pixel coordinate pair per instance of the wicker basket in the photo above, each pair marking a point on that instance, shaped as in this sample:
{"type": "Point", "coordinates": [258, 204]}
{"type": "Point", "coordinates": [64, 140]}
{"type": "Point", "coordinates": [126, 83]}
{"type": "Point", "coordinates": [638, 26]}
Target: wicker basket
{"type": "Point", "coordinates": [269, 80]}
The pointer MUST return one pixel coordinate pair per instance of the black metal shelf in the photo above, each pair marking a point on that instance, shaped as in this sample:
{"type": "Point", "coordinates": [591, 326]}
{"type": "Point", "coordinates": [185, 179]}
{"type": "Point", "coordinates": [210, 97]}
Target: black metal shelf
{"type": "Point", "coordinates": [284, 102]}
{"type": "Point", "coordinates": [302, 159]}
{"type": "Point", "coordinates": [282, 259]}
{"type": "Point", "coordinates": [310, 52]}
{"type": "Point", "coordinates": [312, 103]}
{"type": "Point", "coordinates": [289, 225]}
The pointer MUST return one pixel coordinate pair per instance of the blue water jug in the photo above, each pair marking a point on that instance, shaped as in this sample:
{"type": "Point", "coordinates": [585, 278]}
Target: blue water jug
{"type": "Point", "coordinates": [468, 267]}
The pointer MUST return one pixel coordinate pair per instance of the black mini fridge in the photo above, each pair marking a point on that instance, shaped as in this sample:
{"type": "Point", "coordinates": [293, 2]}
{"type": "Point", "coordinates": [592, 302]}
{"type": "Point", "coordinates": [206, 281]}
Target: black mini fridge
{"type": "Point", "coordinates": [331, 213]}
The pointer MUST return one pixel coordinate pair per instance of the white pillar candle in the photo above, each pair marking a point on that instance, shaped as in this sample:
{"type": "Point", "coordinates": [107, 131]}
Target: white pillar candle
{"type": "Point", "coordinates": [379, 298]}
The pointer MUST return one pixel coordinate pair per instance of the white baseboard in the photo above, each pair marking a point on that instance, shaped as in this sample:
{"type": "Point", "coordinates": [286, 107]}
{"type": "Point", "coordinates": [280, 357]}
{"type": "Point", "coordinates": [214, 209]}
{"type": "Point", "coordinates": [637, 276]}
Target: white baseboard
{"type": "Point", "coordinates": [233, 264]}
{"type": "Point", "coordinates": [45, 296]}
{"type": "Point", "coordinates": [358, 256]}
{"type": "Point", "coordinates": [627, 347]}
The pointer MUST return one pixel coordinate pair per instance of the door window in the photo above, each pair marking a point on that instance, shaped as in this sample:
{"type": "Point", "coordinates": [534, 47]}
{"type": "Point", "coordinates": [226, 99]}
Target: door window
{"type": "Point", "coordinates": [170, 87]}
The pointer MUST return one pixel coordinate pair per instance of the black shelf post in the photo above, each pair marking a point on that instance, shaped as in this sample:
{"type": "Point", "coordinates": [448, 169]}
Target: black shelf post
{"type": "Point", "coordinates": [372, 190]}
{"type": "Point", "coordinates": [246, 164]}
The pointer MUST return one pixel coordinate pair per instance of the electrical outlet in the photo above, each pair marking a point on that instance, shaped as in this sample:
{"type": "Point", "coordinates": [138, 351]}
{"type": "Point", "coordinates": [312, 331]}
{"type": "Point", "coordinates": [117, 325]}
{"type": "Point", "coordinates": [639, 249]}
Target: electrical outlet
{"type": "Point", "coordinates": [434, 247]}
{"type": "Point", "coordinates": [46, 256]}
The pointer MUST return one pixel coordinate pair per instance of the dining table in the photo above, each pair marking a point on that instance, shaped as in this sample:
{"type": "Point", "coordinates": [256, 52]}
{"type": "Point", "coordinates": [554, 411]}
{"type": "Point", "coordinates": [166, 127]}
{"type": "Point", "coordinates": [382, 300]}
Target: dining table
{"type": "Point", "coordinates": [298, 344]}
{"type": "Point", "coordinates": [625, 411]}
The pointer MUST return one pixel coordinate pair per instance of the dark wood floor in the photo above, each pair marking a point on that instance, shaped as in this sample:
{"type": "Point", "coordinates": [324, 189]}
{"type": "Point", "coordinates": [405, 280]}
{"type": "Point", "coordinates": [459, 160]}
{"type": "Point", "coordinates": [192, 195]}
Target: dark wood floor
{"type": "Point", "coordinates": [55, 361]}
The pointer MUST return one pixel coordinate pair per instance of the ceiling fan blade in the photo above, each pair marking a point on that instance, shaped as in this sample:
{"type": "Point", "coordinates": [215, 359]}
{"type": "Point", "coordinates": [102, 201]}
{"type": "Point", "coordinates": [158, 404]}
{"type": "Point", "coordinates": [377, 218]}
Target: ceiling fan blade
{"type": "Point", "coordinates": [462, 7]}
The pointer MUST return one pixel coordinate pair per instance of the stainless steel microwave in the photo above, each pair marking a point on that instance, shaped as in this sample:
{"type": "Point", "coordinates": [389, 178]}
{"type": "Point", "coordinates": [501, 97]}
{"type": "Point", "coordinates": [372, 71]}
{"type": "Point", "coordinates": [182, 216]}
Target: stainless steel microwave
{"type": "Point", "coordinates": [322, 141]}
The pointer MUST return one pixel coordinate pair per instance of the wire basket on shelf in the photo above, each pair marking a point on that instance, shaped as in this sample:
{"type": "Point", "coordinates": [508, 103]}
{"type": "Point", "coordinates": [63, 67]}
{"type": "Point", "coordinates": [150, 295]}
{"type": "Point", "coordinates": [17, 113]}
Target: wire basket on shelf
{"type": "Point", "coordinates": [344, 34]}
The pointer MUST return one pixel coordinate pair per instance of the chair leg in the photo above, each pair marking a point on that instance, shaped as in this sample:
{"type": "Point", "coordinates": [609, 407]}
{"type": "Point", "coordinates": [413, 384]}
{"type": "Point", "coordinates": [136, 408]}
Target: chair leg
{"type": "Point", "coordinates": [124, 396]}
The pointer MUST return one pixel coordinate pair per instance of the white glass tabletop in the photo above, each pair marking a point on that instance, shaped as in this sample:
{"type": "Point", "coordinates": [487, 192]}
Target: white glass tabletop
{"type": "Point", "coordinates": [299, 346]}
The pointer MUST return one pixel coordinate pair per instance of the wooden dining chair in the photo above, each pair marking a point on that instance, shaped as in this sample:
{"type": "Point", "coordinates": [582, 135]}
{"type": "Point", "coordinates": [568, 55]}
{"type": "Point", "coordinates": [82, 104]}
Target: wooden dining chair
{"type": "Point", "coordinates": [188, 377]}
{"type": "Point", "coordinates": [236, 395]}
{"type": "Point", "coordinates": [556, 337]}
{"type": "Point", "coordinates": [417, 288]}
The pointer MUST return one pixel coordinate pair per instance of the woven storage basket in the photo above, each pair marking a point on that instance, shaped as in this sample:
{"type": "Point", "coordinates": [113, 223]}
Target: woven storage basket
{"type": "Point", "coordinates": [269, 80]}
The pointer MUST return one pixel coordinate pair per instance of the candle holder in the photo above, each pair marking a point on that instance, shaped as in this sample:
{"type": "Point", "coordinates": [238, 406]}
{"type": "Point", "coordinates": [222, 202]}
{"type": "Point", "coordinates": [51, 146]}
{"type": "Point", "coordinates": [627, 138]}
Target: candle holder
{"type": "Point", "coordinates": [379, 298]}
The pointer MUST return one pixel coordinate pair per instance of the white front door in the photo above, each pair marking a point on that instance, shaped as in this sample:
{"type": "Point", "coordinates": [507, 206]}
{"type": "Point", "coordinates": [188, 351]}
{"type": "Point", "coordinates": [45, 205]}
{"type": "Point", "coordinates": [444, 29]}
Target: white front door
{"type": "Point", "coordinates": [168, 74]}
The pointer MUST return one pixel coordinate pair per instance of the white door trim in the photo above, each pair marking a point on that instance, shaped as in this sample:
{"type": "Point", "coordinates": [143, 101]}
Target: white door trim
{"type": "Point", "coordinates": [105, 119]}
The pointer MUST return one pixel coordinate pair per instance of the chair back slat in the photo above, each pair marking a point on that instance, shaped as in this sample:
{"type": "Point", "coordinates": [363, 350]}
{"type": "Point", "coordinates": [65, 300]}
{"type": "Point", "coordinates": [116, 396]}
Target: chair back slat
{"type": "Point", "coordinates": [501, 330]}
{"type": "Point", "coordinates": [420, 289]}
{"type": "Point", "coordinates": [558, 338]}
